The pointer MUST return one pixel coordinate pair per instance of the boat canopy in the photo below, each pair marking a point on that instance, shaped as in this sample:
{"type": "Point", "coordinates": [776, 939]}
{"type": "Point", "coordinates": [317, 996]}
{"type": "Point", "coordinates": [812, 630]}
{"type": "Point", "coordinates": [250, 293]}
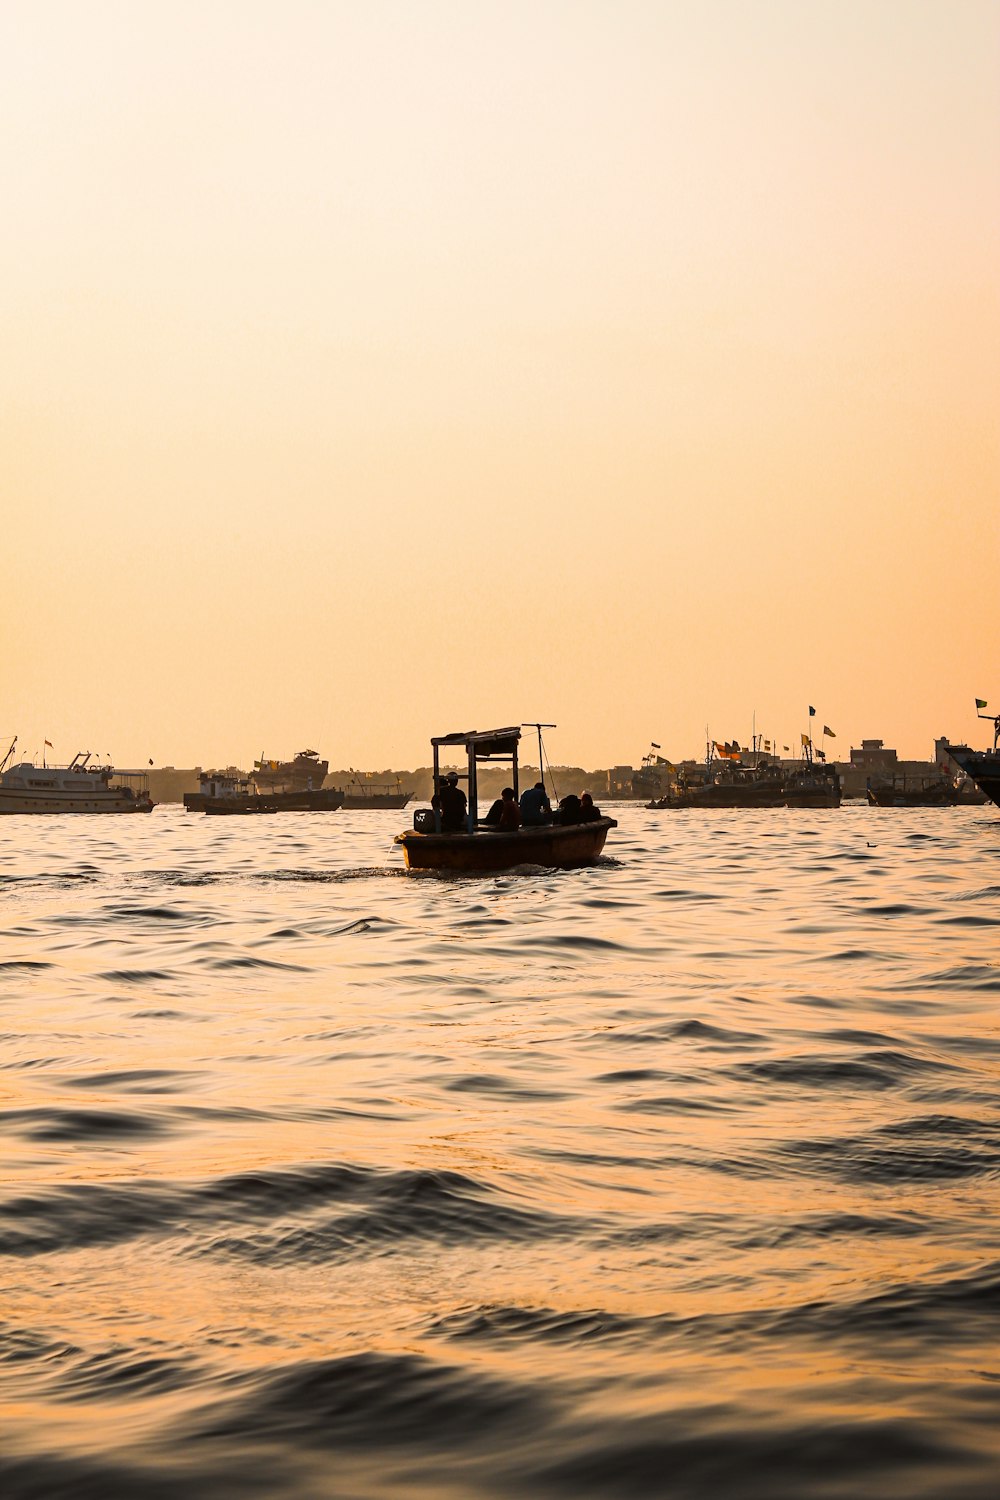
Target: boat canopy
{"type": "Point", "coordinates": [479, 745]}
{"type": "Point", "coordinates": [484, 743]}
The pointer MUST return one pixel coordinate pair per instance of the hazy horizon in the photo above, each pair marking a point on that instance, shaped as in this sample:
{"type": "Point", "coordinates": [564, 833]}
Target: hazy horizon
{"type": "Point", "coordinates": [374, 372]}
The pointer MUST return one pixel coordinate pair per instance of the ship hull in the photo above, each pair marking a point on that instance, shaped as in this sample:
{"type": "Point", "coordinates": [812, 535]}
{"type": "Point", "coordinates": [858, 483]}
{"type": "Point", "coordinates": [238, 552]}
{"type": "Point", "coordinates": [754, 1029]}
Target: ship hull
{"type": "Point", "coordinates": [887, 796]}
{"type": "Point", "coordinates": [554, 846]}
{"type": "Point", "coordinates": [982, 767]}
{"type": "Point", "coordinates": [322, 801]}
{"type": "Point", "coordinates": [379, 800]}
{"type": "Point", "coordinates": [54, 802]}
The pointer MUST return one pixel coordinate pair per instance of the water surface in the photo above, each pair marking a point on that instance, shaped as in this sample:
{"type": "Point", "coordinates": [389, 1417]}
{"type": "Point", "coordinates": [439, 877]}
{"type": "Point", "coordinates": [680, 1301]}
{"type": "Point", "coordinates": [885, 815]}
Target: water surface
{"type": "Point", "coordinates": [673, 1176]}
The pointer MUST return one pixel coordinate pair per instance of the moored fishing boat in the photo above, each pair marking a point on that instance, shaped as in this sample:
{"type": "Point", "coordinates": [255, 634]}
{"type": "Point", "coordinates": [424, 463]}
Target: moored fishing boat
{"type": "Point", "coordinates": [903, 791]}
{"type": "Point", "coordinates": [79, 787]}
{"type": "Point", "coordinates": [232, 792]}
{"type": "Point", "coordinates": [472, 848]}
{"type": "Point", "coordinates": [304, 773]}
{"type": "Point", "coordinates": [363, 793]}
{"type": "Point", "coordinates": [981, 766]}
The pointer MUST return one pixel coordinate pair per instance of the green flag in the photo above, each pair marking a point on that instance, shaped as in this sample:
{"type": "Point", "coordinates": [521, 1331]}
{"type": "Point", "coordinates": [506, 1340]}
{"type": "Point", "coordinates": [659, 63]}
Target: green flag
{"type": "Point", "coordinates": [980, 702]}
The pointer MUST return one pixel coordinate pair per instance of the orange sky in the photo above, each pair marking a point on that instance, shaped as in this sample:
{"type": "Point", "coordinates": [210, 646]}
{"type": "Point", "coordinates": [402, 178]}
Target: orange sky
{"type": "Point", "coordinates": [372, 371]}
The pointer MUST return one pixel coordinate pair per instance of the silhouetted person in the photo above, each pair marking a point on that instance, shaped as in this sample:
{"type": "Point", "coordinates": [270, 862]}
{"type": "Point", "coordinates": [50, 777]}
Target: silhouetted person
{"type": "Point", "coordinates": [588, 812]}
{"type": "Point", "coordinates": [535, 806]}
{"type": "Point", "coordinates": [504, 815]}
{"type": "Point", "coordinates": [452, 804]}
{"type": "Point", "coordinates": [569, 809]}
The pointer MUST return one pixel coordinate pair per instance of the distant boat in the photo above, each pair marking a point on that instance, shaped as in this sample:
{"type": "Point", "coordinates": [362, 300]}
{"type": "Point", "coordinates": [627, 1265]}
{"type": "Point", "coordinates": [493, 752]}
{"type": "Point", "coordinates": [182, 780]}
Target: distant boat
{"type": "Point", "coordinates": [476, 849]}
{"type": "Point", "coordinates": [77, 788]}
{"type": "Point", "coordinates": [754, 781]}
{"type": "Point", "coordinates": [726, 780]}
{"type": "Point", "coordinates": [361, 793]}
{"type": "Point", "coordinates": [232, 792]}
{"type": "Point", "coordinates": [981, 766]}
{"type": "Point", "coordinates": [812, 785]}
{"type": "Point", "coordinates": [920, 791]}
{"type": "Point", "coordinates": [306, 772]}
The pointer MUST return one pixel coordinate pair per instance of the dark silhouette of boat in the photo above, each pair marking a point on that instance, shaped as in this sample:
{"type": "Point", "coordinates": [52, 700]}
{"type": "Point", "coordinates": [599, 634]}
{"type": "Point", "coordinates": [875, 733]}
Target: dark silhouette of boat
{"type": "Point", "coordinates": [306, 772]}
{"type": "Point", "coordinates": [361, 793]}
{"type": "Point", "coordinates": [477, 849]}
{"type": "Point", "coordinates": [229, 792]}
{"type": "Point", "coordinates": [921, 791]}
{"type": "Point", "coordinates": [752, 779]}
{"type": "Point", "coordinates": [981, 766]}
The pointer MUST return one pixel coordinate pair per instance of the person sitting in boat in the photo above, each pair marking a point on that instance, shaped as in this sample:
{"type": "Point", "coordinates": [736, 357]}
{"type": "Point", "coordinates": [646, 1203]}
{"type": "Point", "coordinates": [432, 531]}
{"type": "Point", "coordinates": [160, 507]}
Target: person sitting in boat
{"type": "Point", "coordinates": [452, 804]}
{"type": "Point", "coordinates": [535, 806]}
{"type": "Point", "coordinates": [569, 809]}
{"type": "Point", "coordinates": [589, 812]}
{"type": "Point", "coordinates": [504, 815]}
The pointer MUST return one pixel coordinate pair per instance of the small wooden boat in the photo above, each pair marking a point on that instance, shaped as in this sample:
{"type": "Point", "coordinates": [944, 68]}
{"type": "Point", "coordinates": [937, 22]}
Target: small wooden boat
{"type": "Point", "coordinates": [476, 849]}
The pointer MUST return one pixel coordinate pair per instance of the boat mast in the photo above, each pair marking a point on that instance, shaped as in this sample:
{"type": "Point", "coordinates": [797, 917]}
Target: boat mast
{"type": "Point", "coordinates": [539, 727]}
{"type": "Point", "coordinates": [10, 752]}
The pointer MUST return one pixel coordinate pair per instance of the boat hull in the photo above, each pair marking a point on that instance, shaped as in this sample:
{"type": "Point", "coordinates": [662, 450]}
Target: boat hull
{"type": "Point", "coordinates": [982, 767]}
{"type": "Point", "coordinates": [379, 800]}
{"type": "Point", "coordinates": [555, 846]}
{"type": "Point", "coordinates": [887, 796]}
{"type": "Point", "coordinates": [308, 801]}
{"type": "Point", "coordinates": [25, 804]}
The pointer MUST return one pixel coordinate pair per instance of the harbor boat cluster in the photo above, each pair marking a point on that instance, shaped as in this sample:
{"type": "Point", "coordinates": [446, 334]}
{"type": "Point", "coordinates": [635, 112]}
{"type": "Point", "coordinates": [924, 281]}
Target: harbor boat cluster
{"type": "Point", "coordinates": [574, 833]}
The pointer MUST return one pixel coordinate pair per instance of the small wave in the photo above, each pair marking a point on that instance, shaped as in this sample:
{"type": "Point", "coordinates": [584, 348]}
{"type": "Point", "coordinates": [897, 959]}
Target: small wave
{"type": "Point", "coordinates": [389, 1400]}
{"type": "Point", "coordinates": [79, 1126]}
{"type": "Point", "coordinates": [244, 961]}
{"type": "Point", "coordinates": [399, 1208]}
{"type": "Point", "coordinates": [135, 976]}
{"type": "Point", "coordinates": [878, 1070]}
{"type": "Point", "coordinates": [892, 1155]}
{"type": "Point", "coordinates": [134, 1081]}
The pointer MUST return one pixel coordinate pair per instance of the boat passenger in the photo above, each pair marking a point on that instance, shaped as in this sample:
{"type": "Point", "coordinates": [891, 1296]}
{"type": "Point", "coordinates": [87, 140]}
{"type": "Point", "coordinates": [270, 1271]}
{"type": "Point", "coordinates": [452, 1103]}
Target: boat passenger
{"type": "Point", "coordinates": [504, 815]}
{"type": "Point", "coordinates": [589, 813]}
{"type": "Point", "coordinates": [492, 818]}
{"type": "Point", "coordinates": [535, 806]}
{"type": "Point", "coordinates": [569, 809]}
{"type": "Point", "coordinates": [453, 805]}
{"type": "Point", "coordinates": [510, 813]}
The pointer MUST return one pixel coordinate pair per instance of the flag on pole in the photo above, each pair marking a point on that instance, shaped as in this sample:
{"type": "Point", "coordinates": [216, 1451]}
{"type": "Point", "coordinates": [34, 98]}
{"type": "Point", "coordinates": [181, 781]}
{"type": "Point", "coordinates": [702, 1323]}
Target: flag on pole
{"type": "Point", "coordinates": [980, 702]}
{"type": "Point", "coordinates": [805, 741]}
{"type": "Point", "coordinates": [812, 712]}
{"type": "Point", "coordinates": [654, 744]}
{"type": "Point", "coordinates": [829, 731]}
{"type": "Point", "coordinates": [786, 747]}
{"type": "Point", "coordinates": [50, 745]}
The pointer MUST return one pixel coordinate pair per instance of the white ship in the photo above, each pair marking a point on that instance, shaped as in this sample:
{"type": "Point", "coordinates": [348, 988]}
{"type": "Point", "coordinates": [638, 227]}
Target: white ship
{"type": "Point", "coordinates": [77, 788]}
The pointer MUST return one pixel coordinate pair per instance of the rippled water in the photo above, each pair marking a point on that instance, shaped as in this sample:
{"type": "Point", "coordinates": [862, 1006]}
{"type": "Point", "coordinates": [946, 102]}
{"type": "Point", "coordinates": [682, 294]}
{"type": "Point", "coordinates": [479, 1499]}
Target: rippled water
{"type": "Point", "coordinates": [674, 1176]}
